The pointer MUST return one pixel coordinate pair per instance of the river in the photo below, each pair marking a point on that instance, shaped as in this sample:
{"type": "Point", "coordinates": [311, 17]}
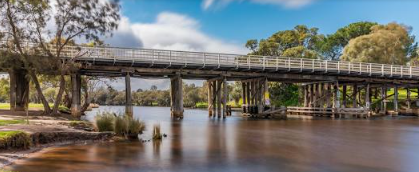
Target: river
{"type": "Point", "coordinates": [202, 144]}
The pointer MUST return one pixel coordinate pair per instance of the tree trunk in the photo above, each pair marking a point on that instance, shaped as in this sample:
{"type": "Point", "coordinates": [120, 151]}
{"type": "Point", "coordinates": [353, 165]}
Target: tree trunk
{"type": "Point", "coordinates": [87, 100]}
{"type": "Point", "coordinates": [59, 97]}
{"type": "Point", "coordinates": [47, 109]}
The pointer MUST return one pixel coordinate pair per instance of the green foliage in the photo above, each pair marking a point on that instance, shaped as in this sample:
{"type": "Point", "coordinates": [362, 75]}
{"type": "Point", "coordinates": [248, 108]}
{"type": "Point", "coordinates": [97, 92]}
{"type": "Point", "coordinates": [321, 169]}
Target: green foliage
{"type": "Point", "coordinates": [283, 94]}
{"type": "Point", "coordinates": [121, 125]}
{"type": "Point", "coordinates": [8, 122]}
{"type": "Point", "coordinates": [306, 39]}
{"type": "Point", "coordinates": [126, 125]}
{"type": "Point", "coordinates": [331, 46]}
{"type": "Point", "coordinates": [388, 44]}
{"type": "Point", "coordinates": [14, 140]}
{"type": "Point", "coordinates": [4, 89]}
{"type": "Point", "coordinates": [105, 121]}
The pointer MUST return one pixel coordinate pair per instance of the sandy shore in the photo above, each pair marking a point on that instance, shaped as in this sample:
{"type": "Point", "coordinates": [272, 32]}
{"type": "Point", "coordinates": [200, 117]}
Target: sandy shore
{"type": "Point", "coordinates": [46, 131]}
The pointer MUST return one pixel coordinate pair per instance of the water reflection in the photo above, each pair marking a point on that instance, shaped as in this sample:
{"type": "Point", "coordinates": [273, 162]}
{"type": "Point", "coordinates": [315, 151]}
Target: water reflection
{"type": "Point", "coordinates": [199, 143]}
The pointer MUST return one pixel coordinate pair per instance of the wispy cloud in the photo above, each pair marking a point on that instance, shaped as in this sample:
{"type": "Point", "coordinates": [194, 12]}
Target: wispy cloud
{"type": "Point", "coordinates": [170, 31]}
{"type": "Point", "coordinates": [206, 4]}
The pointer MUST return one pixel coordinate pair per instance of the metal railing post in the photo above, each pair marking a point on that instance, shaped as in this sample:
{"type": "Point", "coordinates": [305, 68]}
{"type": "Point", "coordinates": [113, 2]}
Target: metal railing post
{"type": "Point", "coordinates": [325, 66]}
{"type": "Point", "coordinates": [219, 64]}
{"type": "Point", "coordinates": [391, 70]}
{"type": "Point", "coordinates": [301, 65]}
{"type": "Point", "coordinates": [382, 70]}
{"type": "Point", "coordinates": [263, 62]}
{"type": "Point", "coordinates": [248, 61]}
{"type": "Point", "coordinates": [410, 72]}
{"type": "Point", "coordinates": [338, 67]}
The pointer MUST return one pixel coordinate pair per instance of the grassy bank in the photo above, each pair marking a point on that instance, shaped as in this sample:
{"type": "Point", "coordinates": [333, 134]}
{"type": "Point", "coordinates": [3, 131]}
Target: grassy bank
{"type": "Point", "coordinates": [14, 140]}
{"type": "Point", "coordinates": [8, 122]}
{"type": "Point", "coordinates": [6, 106]}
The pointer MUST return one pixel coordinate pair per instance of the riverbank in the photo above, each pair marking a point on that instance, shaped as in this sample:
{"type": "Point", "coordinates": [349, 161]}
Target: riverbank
{"type": "Point", "coordinates": [41, 132]}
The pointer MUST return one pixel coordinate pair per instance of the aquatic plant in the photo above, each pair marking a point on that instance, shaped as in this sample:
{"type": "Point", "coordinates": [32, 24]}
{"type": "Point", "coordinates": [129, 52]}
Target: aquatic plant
{"type": "Point", "coordinates": [105, 121]}
{"type": "Point", "coordinates": [120, 127]}
{"type": "Point", "coordinates": [135, 126]}
{"type": "Point", "coordinates": [157, 133]}
{"type": "Point", "coordinates": [14, 139]}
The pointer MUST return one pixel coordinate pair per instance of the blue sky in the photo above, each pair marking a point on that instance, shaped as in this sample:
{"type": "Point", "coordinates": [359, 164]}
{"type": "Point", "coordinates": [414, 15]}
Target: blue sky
{"type": "Point", "coordinates": [225, 25]}
{"type": "Point", "coordinates": [232, 22]}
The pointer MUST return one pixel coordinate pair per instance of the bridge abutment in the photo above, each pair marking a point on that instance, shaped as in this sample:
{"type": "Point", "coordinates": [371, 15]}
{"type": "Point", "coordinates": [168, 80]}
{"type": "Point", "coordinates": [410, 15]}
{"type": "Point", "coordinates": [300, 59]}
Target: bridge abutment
{"type": "Point", "coordinates": [19, 90]}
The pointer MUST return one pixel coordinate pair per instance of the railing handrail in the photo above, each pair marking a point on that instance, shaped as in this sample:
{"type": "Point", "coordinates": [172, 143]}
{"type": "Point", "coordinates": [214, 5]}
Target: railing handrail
{"type": "Point", "coordinates": [229, 59]}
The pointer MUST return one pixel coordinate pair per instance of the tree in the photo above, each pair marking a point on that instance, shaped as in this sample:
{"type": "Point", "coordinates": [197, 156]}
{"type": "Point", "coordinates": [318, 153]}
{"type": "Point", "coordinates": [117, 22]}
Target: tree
{"type": "Point", "coordinates": [153, 88]}
{"type": "Point", "coordinates": [26, 21]}
{"type": "Point", "coordinates": [331, 46]}
{"type": "Point", "coordinates": [388, 44]}
{"type": "Point", "coordinates": [298, 42]}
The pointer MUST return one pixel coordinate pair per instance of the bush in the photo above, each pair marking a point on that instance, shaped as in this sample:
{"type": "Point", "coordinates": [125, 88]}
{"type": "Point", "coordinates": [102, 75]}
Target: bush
{"type": "Point", "coordinates": [14, 139]}
{"type": "Point", "coordinates": [128, 126]}
{"type": "Point", "coordinates": [105, 121]}
{"type": "Point", "coordinates": [135, 126]}
{"type": "Point", "coordinates": [120, 125]}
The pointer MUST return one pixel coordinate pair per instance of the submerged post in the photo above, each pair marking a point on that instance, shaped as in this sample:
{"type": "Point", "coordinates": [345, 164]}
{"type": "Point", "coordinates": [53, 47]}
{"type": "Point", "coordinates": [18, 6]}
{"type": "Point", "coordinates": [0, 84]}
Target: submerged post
{"type": "Point", "coordinates": [128, 98]}
{"type": "Point", "coordinates": [19, 90]}
{"type": "Point", "coordinates": [177, 97]}
{"type": "Point", "coordinates": [76, 95]}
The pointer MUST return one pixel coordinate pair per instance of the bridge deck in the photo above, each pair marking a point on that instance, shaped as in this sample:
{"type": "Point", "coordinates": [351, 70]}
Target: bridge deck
{"type": "Point", "coordinates": [167, 59]}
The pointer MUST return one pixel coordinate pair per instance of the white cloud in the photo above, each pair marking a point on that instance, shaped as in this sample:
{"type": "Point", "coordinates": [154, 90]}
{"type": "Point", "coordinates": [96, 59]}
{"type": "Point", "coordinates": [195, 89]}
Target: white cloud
{"type": "Point", "coordinates": [206, 4]}
{"type": "Point", "coordinates": [171, 31]}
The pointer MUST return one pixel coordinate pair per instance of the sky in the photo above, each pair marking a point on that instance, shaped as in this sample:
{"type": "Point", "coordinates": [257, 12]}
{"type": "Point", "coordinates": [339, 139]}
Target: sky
{"type": "Point", "coordinates": [225, 25]}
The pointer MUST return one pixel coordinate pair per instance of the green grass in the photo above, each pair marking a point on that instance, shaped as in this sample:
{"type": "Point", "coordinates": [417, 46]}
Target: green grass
{"type": "Point", "coordinates": [14, 139]}
{"type": "Point", "coordinates": [8, 122]}
{"type": "Point", "coordinates": [34, 106]}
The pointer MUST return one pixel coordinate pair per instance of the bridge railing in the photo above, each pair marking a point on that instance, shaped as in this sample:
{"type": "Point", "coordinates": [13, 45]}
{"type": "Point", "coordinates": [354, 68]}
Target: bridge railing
{"type": "Point", "coordinates": [219, 60]}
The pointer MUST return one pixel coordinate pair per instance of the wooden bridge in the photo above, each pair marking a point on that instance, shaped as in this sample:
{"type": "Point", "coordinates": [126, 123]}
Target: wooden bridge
{"type": "Point", "coordinates": [324, 83]}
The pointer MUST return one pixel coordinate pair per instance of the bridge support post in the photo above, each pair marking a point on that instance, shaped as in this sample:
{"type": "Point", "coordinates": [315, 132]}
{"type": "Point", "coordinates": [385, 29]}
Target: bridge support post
{"type": "Point", "coordinates": [344, 96]}
{"type": "Point", "coordinates": [244, 93]}
{"type": "Point", "coordinates": [311, 95]}
{"type": "Point", "coordinates": [177, 97]}
{"type": "Point", "coordinates": [76, 95]}
{"type": "Point", "coordinates": [384, 100]}
{"type": "Point", "coordinates": [225, 97]}
{"type": "Point", "coordinates": [219, 84]}
{"type": "Point", "coordinates": [214, 98]}
{"type": "Point", "coordinates": [128, 98]}
{"type": "Point", "coordinates": [328, 94]}
{"type": "Point", "coordinates": [305, 88]}
{"type": "Point", "coordinates": [210, 99]}
{"type": "Point", "coordinates": [396, 100]}
{"type": "Point", "coordinates": [408, 101]}
{"type": "Point", "coordinates": [354, 93]}
{"type": "Point", "coordinates": [19, 90]}
{"type": "Point", "coordinates": [368, 98]}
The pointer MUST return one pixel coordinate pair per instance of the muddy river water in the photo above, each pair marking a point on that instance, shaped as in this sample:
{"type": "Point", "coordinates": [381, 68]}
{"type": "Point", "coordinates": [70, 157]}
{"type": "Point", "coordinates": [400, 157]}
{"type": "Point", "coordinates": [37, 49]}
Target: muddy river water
{"type": "Point", "coordinates": [202, 144]}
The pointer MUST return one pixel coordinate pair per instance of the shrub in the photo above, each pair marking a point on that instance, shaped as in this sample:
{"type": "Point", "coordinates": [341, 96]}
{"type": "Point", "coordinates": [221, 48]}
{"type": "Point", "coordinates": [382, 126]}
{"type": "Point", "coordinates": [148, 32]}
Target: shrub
{"type": "Point", "coordinates": [105, 121]}
{"type": "Point", "coordinates": [120, 125]}
{"type": "Point", "coordinates": [135, 126]}
{"type": "Point", "coordinates": [14, 139]}
{"type": "Point", "coordinates": [128, 126]}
